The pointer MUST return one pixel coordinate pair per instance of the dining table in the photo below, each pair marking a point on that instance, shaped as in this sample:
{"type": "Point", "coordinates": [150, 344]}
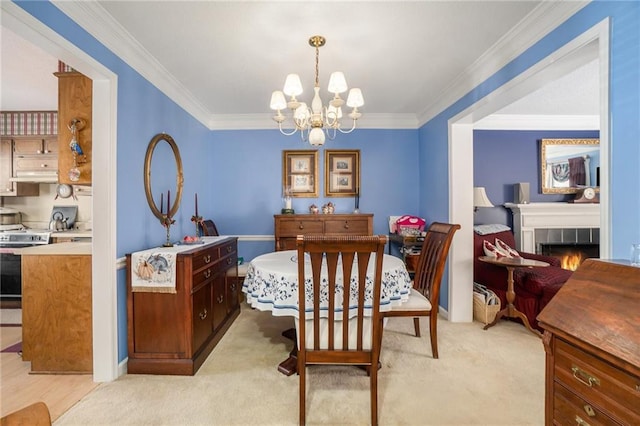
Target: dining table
{"type": "Point", "coordinates": [271, 284]}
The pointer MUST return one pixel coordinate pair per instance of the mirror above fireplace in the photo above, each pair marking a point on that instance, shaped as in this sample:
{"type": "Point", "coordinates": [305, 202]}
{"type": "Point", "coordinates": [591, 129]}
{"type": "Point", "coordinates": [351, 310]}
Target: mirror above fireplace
{"type": "Point", "coordinates": [566, 165]}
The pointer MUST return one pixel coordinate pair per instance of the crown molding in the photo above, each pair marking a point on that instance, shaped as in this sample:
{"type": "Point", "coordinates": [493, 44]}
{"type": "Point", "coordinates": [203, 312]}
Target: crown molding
{"type": "Point", "coordinates": [538, 23]}
{"type": "Point", "coordinates": [96, 21]}
{"type": "Point", "coordinates": [538, 122]}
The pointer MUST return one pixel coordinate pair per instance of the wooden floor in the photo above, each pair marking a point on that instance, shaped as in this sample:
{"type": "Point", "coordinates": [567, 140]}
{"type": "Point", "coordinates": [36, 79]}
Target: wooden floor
{"type": "Point", "coordinates": [18, 388]}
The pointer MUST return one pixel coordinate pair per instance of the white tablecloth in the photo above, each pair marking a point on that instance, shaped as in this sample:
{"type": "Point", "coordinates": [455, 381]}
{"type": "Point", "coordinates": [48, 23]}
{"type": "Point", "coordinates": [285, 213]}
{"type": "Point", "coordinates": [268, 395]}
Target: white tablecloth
{"type": "Point", "coordinates": [271, 283]}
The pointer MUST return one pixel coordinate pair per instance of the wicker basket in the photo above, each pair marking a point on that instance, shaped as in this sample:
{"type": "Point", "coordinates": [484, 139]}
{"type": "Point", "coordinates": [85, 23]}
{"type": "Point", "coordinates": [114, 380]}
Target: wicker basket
{"type": "Point", "coordinates": [482, 310]}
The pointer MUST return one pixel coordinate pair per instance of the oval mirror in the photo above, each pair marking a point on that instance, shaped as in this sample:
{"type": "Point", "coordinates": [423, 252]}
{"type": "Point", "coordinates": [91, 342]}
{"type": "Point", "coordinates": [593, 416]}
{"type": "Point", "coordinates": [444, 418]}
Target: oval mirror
{"type": "Point", "coordinates": [569, 164]}
{"type": "Point", "coordinates": [167, 156]}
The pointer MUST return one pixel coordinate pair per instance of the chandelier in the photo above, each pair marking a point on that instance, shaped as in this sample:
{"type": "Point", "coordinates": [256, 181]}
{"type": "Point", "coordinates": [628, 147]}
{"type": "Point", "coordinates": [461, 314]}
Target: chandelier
{"type": "Point", "coordinates": [316, 121]}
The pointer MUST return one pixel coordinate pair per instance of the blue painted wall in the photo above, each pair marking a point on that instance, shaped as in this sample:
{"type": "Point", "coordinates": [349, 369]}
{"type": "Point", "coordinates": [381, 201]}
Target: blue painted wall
{"type": "Point", "coordinates": [502, 158]}
{"type": "Point", "coordinates": [237, 174]}
{"type": "Point", "coordinates": [624, 132]}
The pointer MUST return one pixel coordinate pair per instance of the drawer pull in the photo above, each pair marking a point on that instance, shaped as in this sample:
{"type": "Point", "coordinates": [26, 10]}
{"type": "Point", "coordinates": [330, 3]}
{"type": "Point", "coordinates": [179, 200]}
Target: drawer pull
{"type": "Point", "coordinates": [584, 377]}
{"type": "Point", "coordinates": [229, 248]}
{"type": "Point", "coordinates": [589, 410]}
{"type": "Point", "coordinates": [581, 422]}
{"type": "Point", "coordinates": [207, 259]}
{"type": "Point", "coordinates": [301, 226]}
{"type": "Point", "coordinates": [220, 299]}
{"type": "Point", "coordinates": [233, 287]}
{"type": "Point", "coordinates": [346, 225]}
{"type": "Point", "coordinates": [203, 314]}
{"type": "Point", "coordinates": [207, 273]}
{"type": "Point", "coordinates": [229, 261]}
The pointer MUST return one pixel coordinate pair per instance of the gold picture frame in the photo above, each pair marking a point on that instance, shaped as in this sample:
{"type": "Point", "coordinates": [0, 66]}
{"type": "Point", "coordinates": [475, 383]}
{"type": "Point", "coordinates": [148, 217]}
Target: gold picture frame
{"type": "Point", "coordinates": [341, 173]}
{"type": "Point", "coordinates": [300, 173]}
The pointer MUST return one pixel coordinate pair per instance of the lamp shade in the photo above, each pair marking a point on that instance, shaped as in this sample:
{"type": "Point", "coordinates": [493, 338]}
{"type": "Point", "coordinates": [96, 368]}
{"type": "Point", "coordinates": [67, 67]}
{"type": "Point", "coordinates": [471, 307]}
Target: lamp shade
{"type": "Point", "coordinates": [292, 85]}
{"type": "Point", "coordinates": [337, 83]}
{"type": "Point", "coordinates": [355, 99]}
{"type": "Point", "coordinates": [480, 198]}
{"type": "Point", "coordinates": [278, 101]}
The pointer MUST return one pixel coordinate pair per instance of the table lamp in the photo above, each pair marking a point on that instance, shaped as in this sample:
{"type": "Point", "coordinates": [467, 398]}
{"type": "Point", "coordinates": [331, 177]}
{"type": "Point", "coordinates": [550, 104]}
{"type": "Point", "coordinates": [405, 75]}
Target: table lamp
{"type": "Point", "coordinates": [480, 198]}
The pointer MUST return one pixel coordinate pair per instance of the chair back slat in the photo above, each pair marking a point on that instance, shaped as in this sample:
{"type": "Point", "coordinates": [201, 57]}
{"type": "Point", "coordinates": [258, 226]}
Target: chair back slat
{"type": "Point", "coordinates": [432, 261]}
{"type": "Point", "coordinates": [337, 259]}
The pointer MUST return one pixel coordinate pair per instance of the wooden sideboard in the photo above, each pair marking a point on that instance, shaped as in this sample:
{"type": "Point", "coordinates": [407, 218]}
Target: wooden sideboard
{"type": "Point", "coordinates": [592, 345]}
{"type": "Point", "coordinates": [288, 226]}
{"type": "Point", "coordinates": [174, 333]}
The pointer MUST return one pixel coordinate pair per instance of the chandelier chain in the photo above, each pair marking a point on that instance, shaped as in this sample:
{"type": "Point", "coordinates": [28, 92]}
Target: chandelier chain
{"type": "Point", "coordinates": [317, 66]}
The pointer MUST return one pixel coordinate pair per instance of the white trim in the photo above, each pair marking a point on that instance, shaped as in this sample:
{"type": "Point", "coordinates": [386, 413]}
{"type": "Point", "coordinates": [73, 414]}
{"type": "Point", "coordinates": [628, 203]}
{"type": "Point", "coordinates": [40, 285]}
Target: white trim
{"type": "Point", "coordinates": [539, 22]}
{"type": "Point", "coordinates": [538, 122]}
{"type": "Point", "coordinates": [460, 190]}
{"type": "Point", "coordinates": [104, 305]}
{"type": "Point", "coordinates": [97, 21]}
{"type": "Point", "coordinates": [461, 212]}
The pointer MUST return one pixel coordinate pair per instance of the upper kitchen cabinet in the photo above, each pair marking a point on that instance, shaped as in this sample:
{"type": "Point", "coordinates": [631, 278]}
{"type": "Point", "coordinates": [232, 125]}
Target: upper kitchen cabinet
{"type": "Point", "coordinates": [74, 128]}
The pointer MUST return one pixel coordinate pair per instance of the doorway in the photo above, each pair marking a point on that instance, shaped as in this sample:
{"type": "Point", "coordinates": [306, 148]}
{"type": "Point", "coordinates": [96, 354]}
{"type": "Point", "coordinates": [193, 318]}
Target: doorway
{"type": "Point", "coordinates": [461, 149]}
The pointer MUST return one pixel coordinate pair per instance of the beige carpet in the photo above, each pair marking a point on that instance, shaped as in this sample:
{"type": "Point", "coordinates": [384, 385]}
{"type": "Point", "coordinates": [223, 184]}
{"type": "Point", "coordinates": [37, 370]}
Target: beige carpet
{"type": "Point", "coordinates": [493, 377]}
{"type": "Point", "coordinates": [10, 316]}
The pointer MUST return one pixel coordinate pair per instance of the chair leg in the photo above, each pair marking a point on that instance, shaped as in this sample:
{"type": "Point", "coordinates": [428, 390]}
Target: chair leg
{"type": "Point", "coordinates": [303, 392]}
{"type": "Point", "coordinates": [433, 331]}
{"type": "Point", "coordinates": [374, 395]}
{"type": "Point", "coordinates": [416, 325]}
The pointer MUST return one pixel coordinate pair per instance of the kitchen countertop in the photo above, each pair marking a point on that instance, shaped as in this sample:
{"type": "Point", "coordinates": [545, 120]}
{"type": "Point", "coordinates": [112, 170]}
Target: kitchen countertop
{"type": "Point", "coordinates": [83, 248]}
{"type": "Point", "coordinates": [72, 233]}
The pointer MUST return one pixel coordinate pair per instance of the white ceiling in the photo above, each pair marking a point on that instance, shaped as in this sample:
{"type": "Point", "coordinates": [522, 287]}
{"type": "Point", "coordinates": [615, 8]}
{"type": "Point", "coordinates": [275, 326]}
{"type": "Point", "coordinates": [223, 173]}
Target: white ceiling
{"type": "Point", "coordinates": [224, 58]}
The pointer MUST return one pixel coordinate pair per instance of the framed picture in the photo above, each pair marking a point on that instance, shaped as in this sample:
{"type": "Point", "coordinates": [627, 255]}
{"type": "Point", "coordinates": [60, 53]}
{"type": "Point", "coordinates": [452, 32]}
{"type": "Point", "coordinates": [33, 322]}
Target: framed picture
{"type": "Point", "coordinates": [341, 173]}
{"type": "Point", "coordinates": [300, 173]}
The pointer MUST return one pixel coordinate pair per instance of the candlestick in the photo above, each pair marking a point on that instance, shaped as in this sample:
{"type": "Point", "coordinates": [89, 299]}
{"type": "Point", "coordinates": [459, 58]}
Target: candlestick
{"type": "Point", "coordinates": [196, 204]}
{"type": "Point", "coordinates": [161, 203]}
{"type": "Point", "coordinates": [169, 203]}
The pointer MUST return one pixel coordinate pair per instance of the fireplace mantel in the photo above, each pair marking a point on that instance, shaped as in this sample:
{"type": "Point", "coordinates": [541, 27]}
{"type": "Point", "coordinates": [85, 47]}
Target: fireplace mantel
{"type": "Point", "coordinates": [529, 217]}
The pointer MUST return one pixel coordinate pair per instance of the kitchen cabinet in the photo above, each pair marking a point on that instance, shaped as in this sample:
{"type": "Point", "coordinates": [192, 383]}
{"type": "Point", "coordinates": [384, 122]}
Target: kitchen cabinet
{"type": "Point", "coordinates": [288, 226]}
{"type": "Point", "coordinates": [592, 344]}
{"type": "Point", "coordinates": [57, 330]}
{"type": "Point", "coordinates": [174, 333]}
{"type": "Point", "coordinates": [7, 187]}
{"type": "Point", "coordinates": [75, 94]}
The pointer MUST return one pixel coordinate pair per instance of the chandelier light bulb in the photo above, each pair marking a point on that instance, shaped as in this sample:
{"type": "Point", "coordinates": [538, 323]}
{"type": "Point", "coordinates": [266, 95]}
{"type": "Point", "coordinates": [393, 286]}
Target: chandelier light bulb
{"type": "Point", "coordinates": [337, 83]}
{"type": "Point", "coordinates": [316, 136]}
{"type": "Point", "coordinates": [278, 101]}
{"type": "Point", "coordinates": [292, 85]}
{"type": "Point", "coordinates": [355, 99]}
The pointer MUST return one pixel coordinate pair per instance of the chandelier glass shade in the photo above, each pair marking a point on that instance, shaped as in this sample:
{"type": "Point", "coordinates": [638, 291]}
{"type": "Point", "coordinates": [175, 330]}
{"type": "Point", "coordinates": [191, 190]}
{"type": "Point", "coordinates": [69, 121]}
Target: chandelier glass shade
{"type": "Point", "coordinates": [316, 122]}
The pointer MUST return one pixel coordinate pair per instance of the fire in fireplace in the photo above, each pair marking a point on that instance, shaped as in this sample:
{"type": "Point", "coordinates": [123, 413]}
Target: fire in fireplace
{"type": "Point", "coordinates": [571, 255]}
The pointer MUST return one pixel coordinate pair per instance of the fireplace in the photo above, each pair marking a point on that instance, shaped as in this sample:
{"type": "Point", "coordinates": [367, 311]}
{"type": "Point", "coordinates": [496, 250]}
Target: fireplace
{"type": "Point", "coordinates": [570, 254]}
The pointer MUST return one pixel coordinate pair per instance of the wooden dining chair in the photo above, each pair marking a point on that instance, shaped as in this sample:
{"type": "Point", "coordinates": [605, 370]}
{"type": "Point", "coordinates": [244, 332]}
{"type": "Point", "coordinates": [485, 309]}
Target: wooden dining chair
{"type": "Point", "coordinates": [208, 228]}
{"type": "Point", "coordinates": [337, 265]}
{"type": "Point", "coordinates": [423, 300]}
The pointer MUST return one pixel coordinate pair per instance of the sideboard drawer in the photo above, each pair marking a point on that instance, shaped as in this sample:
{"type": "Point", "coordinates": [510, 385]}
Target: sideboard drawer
{"type": "Point", "coordinates": [355, 226]}
{"type": "Point", "coordinates": [570, 409]}
{"type": "Point", "coordinates": [598, 382]}
{"type": "Point", "coordinates": [205, 258]}
{"type": "Point", "coordinates": [292, 228]}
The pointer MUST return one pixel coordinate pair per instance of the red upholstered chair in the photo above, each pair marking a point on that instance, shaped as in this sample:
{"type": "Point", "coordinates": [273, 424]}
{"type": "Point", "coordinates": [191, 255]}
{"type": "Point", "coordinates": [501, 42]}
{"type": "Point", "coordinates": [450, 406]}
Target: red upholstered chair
{"type": "Point", "coordinates": [534, 287]}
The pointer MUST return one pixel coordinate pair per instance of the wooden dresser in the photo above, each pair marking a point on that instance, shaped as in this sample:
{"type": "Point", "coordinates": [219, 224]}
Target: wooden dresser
{"type": "Point", "coordinates": [592, 345]}
{"type": "Point", "coordinates": [288, 226]}
{"type": "Point", "coordinates": [173, 333]}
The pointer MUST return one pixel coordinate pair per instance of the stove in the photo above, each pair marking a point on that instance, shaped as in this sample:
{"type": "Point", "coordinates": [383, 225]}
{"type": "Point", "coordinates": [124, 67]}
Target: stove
{"type": "Point", "coordinates": [11, 241]}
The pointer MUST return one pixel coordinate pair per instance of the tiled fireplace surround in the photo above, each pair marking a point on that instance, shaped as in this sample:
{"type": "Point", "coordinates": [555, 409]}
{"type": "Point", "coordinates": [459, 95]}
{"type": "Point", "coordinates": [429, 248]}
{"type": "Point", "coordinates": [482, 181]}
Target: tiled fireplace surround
{"type": "Point", "coordinates": [537, 224]}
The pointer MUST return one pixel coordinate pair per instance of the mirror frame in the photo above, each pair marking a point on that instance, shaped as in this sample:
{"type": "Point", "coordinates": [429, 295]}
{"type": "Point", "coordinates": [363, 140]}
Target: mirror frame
{"type": "Point", "coordinates": [147, 175]}
{"type": "Point", "coordinates": [545, 143]}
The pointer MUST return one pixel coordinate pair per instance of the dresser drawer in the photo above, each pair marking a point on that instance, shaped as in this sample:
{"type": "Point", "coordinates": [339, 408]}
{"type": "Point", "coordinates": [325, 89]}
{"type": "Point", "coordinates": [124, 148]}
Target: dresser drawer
{"type": "Point", "coordinates": [598, 382]}
{"type": "Point", "coordinates": [201, 276]}
{"type": "Point", "coordinates": [570, 409]}
{"type": "Point", "coordinates": [292, 228]}
{"type": "Point", "coordinates": [347, 226]}
{"type": "Point", "coordinates": [227, 249]}
{"type": "Point", "coordinates": [205, 258]}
